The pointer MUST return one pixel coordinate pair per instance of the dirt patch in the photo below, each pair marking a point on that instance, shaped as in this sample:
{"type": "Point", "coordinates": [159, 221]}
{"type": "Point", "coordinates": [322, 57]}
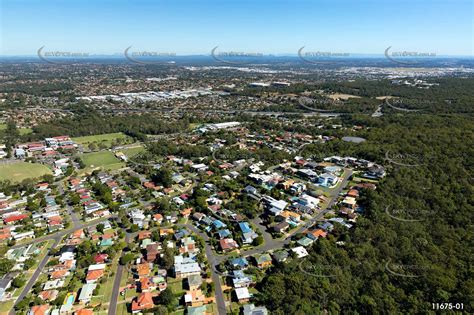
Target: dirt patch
{"type": "Point", "coordinates": [339, 96]}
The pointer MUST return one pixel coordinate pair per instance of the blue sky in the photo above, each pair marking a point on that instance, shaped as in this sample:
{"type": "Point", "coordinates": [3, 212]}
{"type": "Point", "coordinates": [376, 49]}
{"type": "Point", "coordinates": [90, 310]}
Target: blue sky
{"type": "Point", "coordinates": [264, 26]}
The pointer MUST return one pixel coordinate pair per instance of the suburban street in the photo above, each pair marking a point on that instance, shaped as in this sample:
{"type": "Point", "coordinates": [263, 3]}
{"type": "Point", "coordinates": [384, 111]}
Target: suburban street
{"type": "Point", "coordinates": [35, 276]}
{"type": "Point", "coordinates": [62, 233]}
{"type": "Point", "coordinates": [214, 259]}
{"type": "Point", "coordinates": [269, 244]}
{"type": "Point", "coordinates": [117, 280]}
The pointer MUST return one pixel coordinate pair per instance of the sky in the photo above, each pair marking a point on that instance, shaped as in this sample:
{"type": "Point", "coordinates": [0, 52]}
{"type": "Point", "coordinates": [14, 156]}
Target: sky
{"type": "Point", "coordinates": [443, 27]}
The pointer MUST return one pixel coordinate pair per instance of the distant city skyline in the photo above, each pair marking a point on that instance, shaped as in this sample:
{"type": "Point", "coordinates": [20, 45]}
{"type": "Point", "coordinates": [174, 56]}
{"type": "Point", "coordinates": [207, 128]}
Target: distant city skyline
{"type": "Point", "coordinates": [190, 27]}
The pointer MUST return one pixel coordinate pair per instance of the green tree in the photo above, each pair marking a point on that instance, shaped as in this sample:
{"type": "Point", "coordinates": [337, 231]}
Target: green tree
{"type": "Point", "coordinates": [127, 258]}
{"type": "Point", "coordinates": [18, 282]}
{"type": "Point", "coordinates": [166, 297]}
{"type": "Point", "coordinates": [100, 227]}
{"type": "Point", "coordinates": [6, 265]}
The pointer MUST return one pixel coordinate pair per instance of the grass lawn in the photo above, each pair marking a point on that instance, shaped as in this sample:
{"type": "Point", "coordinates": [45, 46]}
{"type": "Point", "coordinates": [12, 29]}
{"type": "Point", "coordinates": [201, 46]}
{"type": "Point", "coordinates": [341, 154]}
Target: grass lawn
{"type": "Point", "coordinates": [22, 131]}
{"type": "Point", "coordinates": [124, 279]}
{"type": "Point", "coordinates": [6, 307]}
{"type": "Point", "coordinates": [131, 152]}
{"type": "Point", "coordinates": [105, 139]}
{"type": "Point", "coordinates": [102, 159]}
{"type": "Point", "coordinates": [45, 246]}
{"type": "Point", "coordinates": [108, 287]}
{"type": "Point", "coordinates": [212, 308]}
{"type": "Point", "coordinates": [105, 291]}
{"type": "Point", "coordinates": [122, 309]}
{"type": "Point", "coordinates": [365, 180]}
{"type": "Point", "coordinates": [176, 285]}
{"type": "Point", "coordinates": [16, 172]}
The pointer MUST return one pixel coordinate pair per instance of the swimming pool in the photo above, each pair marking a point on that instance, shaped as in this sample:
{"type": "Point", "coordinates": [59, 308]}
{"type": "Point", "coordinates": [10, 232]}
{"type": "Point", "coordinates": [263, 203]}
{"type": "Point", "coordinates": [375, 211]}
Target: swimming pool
{"type": "Point", "coordinates": [70, 298]}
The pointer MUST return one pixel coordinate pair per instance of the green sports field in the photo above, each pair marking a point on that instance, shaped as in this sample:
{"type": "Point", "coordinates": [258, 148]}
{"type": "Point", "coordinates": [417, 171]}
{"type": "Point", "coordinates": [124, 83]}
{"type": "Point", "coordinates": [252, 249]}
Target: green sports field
{"type": "Point", "coordinates": [103, 159]}
{"type": "Point", "coordinates": [131, 152]}
{"type": "Point", "coordinates": [16, 172]}
{"type": "Point", "coordinates": [105, 139]}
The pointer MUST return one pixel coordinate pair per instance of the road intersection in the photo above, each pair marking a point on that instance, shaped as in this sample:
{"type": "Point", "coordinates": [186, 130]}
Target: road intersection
{"type": "Point", "coordinates": [213, 258]}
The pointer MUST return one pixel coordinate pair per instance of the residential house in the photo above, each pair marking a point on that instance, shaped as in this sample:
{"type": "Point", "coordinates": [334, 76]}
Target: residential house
{"type": "Point", "coordinates": [305, 241]}
{"type": "Point", "coordinates": [49, 295]}
{"type": "Point", "coordinates": [84, 312]}
{"type": "Point", "coordinates": [143, 269]}
{"type": "Point", "coordinates": [280, 256]}
{"type": "Point", "coordinates": [143, 302]}
{"type": "Point", "coordinates": [94, 275]}
{"type": "Point", "coordinates": [248, 235]}
{"type": "Point", "coordinates": [239, 262]}
{"type": "Point", "coordinates": [53, 284]}
{"type": "Point", "coordinates": [86, 292]}
{"type": "Point", "coordinates": [281, 227]}
{"type": "Point", "coordinates": [152, 252]}
{"type": "Point", "coordinates": [375, 172]}
{"type": "Point", "coordinates": [218, 224]}
{"type": "Point", "coordinates": [188, 245]}
{"type": "Point", "coordinates": [146, 285]}
{"type": "Point", "coordinates": [263, 260]}
{"type": "Point", "coordinates": [228, 244]}
{"type": "Point", "coordinates": [243, 295]}
{"type": "Point", "coordinates": [166, 231]}
{"type": "Point", "coordinates": [251, 309]}
{"type": "Point", "coordinates": [158, 218]}
{"type": "Point", "coordinates": [349, 202]}
{"type": "Point", "coordinates": [198, 216]}
{"type": "Point", "coordinates": [327, 180]}
{"type": "Point", "coordinates": [194, 298]}
{"type": "Point", "coordinates": [300, 251]}
{"type": "Point", "coordinates": [185, 267]}
{"type": "Point", "coordinates": [194, 282]}
{"type": "Point", "coordinates": [224, 233]}
{"type": "Point", "coordinates": [326, 226]}
{"type": "Point", "coordinates": [315, 234]}
{"type": "Point", "coordinates": [40, 310]}
{"type": "Point", "coordinates": [241, 280]}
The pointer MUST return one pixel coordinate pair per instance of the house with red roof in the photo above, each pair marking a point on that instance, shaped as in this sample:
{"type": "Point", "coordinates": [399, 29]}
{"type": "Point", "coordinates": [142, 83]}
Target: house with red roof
{"type": "Point", "coordinates": [158, 217]}
{"type": "Point", "coordinates": [100, 258]}
{"type": "Point", "coordinates": [49, 295]}
{"type": "Point", "coordinates": [314, 235]}
{"type": "Point", "coordinates": [143, 235]}
{"type": "Point", "coordinates": [94, 275]}
{"type": "Point", "coordinates": [59, 274]}
{"type": "Point", "coordinates": [78, 234]}
{"type": "Point", "coordinates": [5, 233]}
{"type": "Point", "coordinates": [42, 186]}
{"type": "Point", "coordinates": [14, 218]}
{"type": "Point", "coordinates": [142, 302]}
{"type": "Point", "coordinates": [228, 244]}
{"type": "Point", "coordinates": [40, 310]}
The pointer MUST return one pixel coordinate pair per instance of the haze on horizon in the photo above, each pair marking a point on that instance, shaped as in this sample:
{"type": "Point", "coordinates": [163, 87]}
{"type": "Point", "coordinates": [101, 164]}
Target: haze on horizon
{"type": "Point", "coordinates": [189, 27]}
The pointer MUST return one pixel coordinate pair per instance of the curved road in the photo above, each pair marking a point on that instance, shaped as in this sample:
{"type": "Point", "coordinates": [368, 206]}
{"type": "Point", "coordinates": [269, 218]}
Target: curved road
{"type": "Point", "coordinates": [213, 258]}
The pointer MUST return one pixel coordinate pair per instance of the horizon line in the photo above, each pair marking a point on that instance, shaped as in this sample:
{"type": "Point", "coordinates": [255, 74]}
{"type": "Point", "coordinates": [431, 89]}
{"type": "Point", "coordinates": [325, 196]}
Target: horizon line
{"type": "Point", "coordinates": [276, 55]}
